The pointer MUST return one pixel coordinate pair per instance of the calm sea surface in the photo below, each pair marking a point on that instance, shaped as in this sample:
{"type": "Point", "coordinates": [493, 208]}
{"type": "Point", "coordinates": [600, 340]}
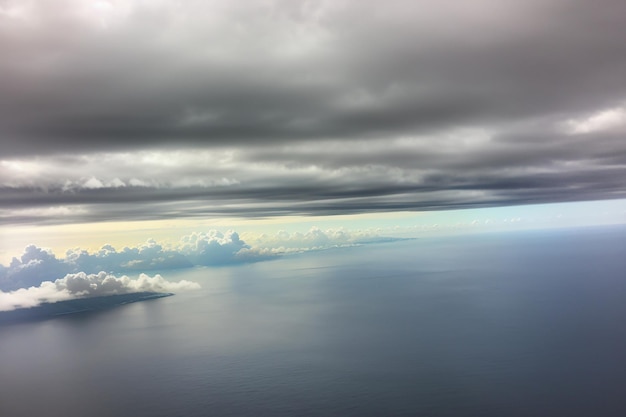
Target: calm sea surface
{"type": "Point", "coordinates": [519, 324]}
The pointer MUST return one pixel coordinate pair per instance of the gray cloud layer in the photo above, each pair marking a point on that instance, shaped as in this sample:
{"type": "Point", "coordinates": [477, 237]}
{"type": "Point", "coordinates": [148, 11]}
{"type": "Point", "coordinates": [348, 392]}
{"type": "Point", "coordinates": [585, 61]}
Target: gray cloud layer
{"type": "Point", "coordinates": [118, 110]}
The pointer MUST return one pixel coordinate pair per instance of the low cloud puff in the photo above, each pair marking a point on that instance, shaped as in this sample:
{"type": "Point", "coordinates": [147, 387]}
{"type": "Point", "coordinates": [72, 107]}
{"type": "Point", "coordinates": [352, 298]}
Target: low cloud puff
{"type": "Point", "coordinates": [217, 248]}
{"type": "Point", "coordinates": [82, 285]}
{"type": "Point", "coordinates": [145, 257]}
{"type": "Point", "coordinates": [35, 266]}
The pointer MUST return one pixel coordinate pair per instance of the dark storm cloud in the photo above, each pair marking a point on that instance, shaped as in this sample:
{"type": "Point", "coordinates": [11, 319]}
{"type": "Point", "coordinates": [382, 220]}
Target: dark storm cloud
{"type": "Point", "coordinates": [144, 110]}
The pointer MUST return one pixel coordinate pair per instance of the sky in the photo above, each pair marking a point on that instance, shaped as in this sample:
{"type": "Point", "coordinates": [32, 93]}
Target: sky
{"type": "Point", "coordinates": [137, 119]}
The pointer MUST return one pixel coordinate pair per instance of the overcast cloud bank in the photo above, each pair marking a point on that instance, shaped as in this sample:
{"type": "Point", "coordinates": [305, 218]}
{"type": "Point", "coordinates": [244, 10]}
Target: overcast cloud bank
{"type": "Point", "coordinates": [130, 110]}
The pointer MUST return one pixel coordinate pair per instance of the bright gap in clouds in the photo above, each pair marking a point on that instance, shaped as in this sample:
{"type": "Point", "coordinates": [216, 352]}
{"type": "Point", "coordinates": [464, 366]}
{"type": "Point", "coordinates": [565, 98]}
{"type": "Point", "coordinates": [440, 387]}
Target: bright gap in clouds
{"type": "Point", "coordinates": [603, 120]}
{"type": "Point", "coordinates": [60, 238]}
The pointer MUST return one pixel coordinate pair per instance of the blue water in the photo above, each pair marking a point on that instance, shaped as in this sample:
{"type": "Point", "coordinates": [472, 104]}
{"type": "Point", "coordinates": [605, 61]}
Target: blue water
{"type": "Point", "coordinates": [520, 324]}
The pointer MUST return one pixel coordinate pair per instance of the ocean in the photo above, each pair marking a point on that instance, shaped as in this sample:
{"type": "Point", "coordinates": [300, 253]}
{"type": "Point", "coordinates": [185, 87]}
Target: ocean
{"type": "Point", "coordinates": [527, 323]}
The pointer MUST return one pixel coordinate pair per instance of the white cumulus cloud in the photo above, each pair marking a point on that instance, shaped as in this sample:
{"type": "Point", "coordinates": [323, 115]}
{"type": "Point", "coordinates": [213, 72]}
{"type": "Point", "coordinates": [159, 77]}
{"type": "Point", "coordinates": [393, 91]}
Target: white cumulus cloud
{"type": "Point", "coordinates": [82, 285]}
{"type": "Point", "coordinates": [39, 265]}
{"type": "Point", "coordinates": [217, 248]}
